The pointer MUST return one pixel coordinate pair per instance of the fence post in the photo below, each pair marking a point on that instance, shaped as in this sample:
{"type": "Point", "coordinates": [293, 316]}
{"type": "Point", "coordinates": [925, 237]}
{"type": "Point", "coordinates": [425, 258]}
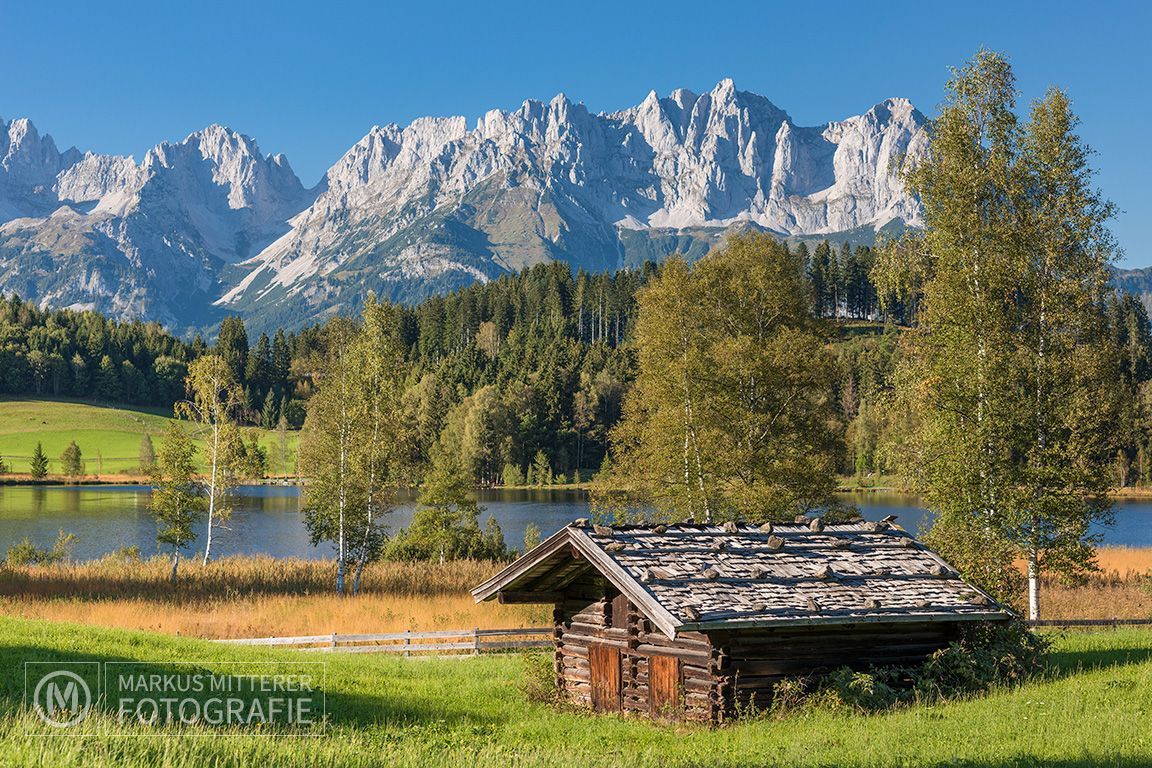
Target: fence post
{"type": "Point", "coordinates": [476, 641]}
{"type": "Point", "coordinates": [407, 642]}
{"type": "Point", "coordinates": [333, 641]}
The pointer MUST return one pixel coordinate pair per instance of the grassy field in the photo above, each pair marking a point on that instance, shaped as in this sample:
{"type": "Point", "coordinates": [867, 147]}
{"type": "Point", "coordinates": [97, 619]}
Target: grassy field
{"type": "Point", "coordinates": [109, 437]}
{"type": "Point", "coordinates": [1091, 709]}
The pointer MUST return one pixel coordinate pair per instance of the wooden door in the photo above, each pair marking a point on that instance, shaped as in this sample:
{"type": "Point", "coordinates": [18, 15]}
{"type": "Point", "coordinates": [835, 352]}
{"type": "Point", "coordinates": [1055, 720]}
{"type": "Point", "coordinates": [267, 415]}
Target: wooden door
{"type": "Point", "coordinates": [604, 665]}
{"type": "Point", "coordinates": [663, 685]}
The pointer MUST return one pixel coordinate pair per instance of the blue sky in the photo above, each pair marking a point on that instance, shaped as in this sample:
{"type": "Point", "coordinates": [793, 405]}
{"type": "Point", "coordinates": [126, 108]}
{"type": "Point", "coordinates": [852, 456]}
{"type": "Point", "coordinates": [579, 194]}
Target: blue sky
{"type": "Point", "coordinates": [310, 79]}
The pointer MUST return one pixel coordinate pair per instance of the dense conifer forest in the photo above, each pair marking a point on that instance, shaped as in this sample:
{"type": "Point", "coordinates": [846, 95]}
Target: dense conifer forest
{"type": "Point", "coordinates": [523, 376]}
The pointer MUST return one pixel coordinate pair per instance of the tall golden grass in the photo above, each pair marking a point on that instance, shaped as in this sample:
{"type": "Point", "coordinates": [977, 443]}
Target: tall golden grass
{"type": "Point", "coordinates": [234, 577]}
{"type": "Point", "coordinates": [263, 596]}
{"type": "Point", "coordinates": [258, 596]}
{"type": "Point", "coordinates": [1120, 589]}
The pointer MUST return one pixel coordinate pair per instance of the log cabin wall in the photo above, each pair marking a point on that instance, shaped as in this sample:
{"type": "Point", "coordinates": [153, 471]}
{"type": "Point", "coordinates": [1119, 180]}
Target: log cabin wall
{"type": "Point", "coordinates": [752, 661]}
{"type": "Point", "coordinates": [610, 658]}
{"type": "Point", "coordinates": [608, 662]}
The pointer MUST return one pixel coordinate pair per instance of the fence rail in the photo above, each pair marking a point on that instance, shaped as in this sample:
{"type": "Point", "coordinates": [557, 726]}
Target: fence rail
{"type": "Point", "coordinates": [453, 641]}
{"type": "Point", "coordinates": [476, 641]}
{"type": "Point", "coordinates": [1089, 622]}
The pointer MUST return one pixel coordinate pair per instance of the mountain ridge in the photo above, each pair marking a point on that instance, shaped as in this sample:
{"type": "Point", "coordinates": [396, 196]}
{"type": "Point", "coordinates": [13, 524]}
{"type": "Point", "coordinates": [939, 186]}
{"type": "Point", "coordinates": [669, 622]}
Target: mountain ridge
{"type": "Point", "coordinates": [210, 225]}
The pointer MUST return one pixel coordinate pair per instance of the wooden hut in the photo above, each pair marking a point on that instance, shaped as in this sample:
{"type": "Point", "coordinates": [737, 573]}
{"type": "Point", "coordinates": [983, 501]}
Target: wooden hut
{"type": "Point", "coordinates": [695, 621]}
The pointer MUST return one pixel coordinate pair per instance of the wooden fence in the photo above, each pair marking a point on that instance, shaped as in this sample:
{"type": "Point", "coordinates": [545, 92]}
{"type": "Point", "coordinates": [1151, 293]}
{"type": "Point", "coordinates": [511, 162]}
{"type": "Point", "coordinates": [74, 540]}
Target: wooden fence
{"type": "Point", "coordinates": [1089, 622]}
{"type": "Point", "coordinates": [476, 641]}
{"type": "Point", "coordinates": [452, 641]}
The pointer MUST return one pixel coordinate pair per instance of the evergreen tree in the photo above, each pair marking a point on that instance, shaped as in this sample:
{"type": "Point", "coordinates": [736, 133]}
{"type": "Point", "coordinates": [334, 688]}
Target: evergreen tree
{"type": "Point", "coordinates": [39, 463]}
{"type": "Point", "coordinates": [281, 364]}
{"type": "Point", "coordinates": [258, 372]}
{"type": "Point", "coordinates": [541, 470]}
{"type": "Point", "coordinates": [147, 455]}
{"type": "Point", "coordinates": [270, 413]}
{"type": "Point", "coordinates": [820, 276]}
{"type": "Point", "coordinates": [232, 347]}
{"type": "Point", "coordinates": [108, 388]}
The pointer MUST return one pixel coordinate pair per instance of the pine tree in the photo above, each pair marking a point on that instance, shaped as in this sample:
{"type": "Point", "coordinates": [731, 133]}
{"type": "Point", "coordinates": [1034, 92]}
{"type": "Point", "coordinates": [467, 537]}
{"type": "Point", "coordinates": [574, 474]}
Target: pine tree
{"type": "Point", "coordinates": [270, 413]}
{"type": "Point", "coordinates": [39, 463]}
{"type": "Point", "coordinates": [108, 386]}
{"type": "Point", "coordinates": [281, 364]}
{"type": "Point", "coordinates": [541, 471]}
{"type": "Point", "coordinates": [232, 347]}
{"type": "Point", "coordinates": [258, 371]}
{"type": "Point", "coordinates": [821, 276]}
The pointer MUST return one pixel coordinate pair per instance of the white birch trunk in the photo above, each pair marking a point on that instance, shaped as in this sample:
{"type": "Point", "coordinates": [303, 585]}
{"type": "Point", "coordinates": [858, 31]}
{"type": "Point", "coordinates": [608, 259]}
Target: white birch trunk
{"type": "Point", "coordinates": [1033, 586]}
{"type": "Point", "coordinates": [212, 482]}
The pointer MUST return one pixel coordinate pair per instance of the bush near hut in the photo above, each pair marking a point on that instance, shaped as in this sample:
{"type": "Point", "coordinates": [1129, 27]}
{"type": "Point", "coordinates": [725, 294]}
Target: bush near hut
{"type": "Point", "coordinates": [987, 655]}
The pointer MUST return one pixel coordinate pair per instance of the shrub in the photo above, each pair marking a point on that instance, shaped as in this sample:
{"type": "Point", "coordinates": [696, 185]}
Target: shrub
{"type": "Point", "coordinates": [27, 553]}
{"type": "Point", "coordinates": [24, 553]}
{"type": "Point", "coordinates": [1004, 653]}
{"type": "Point", "coordinates": [985, 656]}
{"type": "Point", "coordinates": [539, 679]}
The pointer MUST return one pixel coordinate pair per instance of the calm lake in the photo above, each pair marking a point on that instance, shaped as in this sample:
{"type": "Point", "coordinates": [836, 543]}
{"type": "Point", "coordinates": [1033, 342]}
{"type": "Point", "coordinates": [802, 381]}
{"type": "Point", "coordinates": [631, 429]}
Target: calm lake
{"type": "Point", "coordinates": [268, 519]}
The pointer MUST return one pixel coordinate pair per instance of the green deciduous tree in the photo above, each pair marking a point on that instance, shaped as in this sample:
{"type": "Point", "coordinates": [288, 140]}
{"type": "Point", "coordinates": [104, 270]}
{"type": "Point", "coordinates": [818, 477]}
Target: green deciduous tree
{"type": "Point", "coordinates": [177, 501]}
{"type": "Point", "coordinates": [71, 460]}
{"type": "Point", "coordinates": [1010, 372]}
{"type": "Point", "coordinates": [214, 395]}
{"type": "Point", "coordinates": [351, 446]}
{"type": "Point", "coordinates": [446, 524]}
{"type": "Point", "coordinates": [731, 414]}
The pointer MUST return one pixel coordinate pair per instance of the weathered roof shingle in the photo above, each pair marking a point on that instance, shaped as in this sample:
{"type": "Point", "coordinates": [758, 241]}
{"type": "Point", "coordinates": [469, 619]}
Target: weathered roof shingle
{"type": "Point", "coordinates": [711, 576]}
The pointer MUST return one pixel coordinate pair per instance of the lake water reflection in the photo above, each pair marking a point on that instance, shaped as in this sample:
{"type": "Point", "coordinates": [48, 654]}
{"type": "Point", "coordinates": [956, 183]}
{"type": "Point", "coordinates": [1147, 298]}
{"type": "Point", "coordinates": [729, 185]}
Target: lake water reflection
{"type": "Point", "coordinates": [268, 518]}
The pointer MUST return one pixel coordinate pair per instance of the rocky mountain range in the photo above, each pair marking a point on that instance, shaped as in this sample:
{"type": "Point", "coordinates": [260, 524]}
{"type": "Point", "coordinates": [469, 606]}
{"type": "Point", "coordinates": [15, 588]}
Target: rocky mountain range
{"type": "Point", "coordinates": [210, 225]}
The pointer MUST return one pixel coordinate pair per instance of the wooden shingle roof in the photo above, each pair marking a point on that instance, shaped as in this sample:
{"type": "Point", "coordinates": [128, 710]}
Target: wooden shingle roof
{"type": "Point", "coordinates": [706, 577]}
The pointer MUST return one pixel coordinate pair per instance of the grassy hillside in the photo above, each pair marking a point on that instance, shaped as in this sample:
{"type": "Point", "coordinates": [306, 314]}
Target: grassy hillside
{"type": "Point", "coordinates": [1091, 711]}
{"type": "Point", "coordinates": [108, 436]}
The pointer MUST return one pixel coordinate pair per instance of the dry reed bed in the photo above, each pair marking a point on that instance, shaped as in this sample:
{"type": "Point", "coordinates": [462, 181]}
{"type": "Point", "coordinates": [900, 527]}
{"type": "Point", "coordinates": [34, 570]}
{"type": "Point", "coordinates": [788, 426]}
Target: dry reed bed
{"type": "Point", "coordinates": [234, 577]}
{"type": "Point", "coordinates": [261, 596]}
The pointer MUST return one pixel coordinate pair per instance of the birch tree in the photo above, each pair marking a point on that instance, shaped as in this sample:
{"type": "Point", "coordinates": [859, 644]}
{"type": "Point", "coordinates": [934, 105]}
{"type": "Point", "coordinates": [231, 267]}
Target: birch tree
{"type": "Point", "coordinates": [1009, 371]}
{"type": "Point", "coordinates": [328, 445]}
{"type": "Point", "coordinates": [214, 395]}
{"type": "Point", "coordinates": [354, 438]}
{"type": "Point", "coordinates": [177, 501]}
{"type": "Point", "coordinates": [731, 413]}
{"type": "Point", "coordinates": [379, 360]}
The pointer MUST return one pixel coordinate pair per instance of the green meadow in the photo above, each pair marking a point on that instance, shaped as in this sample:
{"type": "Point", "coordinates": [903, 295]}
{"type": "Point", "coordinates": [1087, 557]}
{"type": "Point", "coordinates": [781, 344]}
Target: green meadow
{"type": "Point", "coordinates": [1091, 709]}
{"type": "Point", "coordinates": [108, 436]}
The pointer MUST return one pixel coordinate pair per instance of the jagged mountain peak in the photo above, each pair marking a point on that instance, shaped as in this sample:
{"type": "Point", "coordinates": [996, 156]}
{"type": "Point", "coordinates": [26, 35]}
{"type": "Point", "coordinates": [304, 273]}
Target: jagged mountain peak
{"type": "Point", "coordinates": [414, 209]}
